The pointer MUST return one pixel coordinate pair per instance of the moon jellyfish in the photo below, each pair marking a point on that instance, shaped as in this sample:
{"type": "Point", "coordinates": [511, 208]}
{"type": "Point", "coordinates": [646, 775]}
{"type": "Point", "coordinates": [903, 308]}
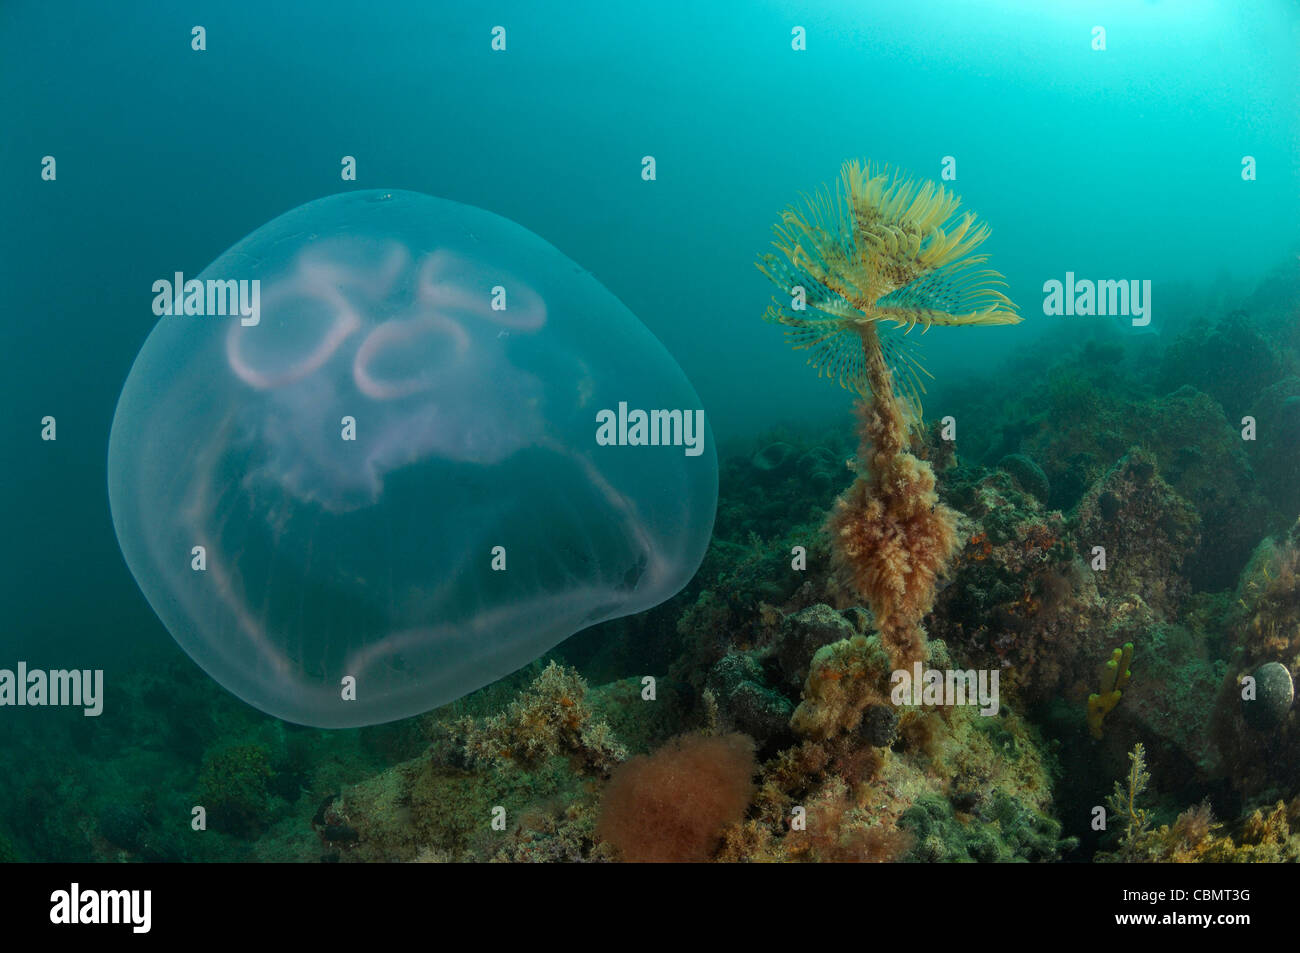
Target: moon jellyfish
{"type": "Point", "coordinates": [390, 448]}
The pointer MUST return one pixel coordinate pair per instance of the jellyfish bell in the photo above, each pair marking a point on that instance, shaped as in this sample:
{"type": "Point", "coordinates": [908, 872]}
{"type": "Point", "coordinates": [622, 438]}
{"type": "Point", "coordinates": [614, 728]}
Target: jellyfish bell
{"type": "Point", "coordinates": [386, 492]}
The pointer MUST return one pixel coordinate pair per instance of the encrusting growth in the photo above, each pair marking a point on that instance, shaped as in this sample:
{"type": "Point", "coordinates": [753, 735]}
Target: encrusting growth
{"type": "Point", "coordinates": [864, 265]}
{"type": "Point", "coordinates": [890, 537]}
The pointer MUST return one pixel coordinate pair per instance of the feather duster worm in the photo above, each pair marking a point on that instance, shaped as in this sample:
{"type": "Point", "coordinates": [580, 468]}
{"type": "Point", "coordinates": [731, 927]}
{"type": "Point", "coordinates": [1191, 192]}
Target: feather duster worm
{"type": "Point", "coordinates": [864, 265]}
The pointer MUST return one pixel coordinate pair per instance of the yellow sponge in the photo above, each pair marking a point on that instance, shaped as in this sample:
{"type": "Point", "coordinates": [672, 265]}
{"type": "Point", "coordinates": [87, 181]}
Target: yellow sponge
{"type": "Point", "coordinates": [1114, 679]}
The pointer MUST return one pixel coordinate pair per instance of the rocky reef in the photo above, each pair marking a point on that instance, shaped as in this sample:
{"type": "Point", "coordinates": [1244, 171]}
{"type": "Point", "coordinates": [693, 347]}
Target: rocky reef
{"type": "Point", "coordinates": [1124, 557]}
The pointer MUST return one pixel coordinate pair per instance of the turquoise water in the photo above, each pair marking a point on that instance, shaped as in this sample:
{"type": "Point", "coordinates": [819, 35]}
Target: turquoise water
{"type": "Point", "coordinates": [1122, 163]}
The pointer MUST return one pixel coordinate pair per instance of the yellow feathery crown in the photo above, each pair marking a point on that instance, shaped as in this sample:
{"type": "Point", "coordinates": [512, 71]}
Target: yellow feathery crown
{"type": "Point", "coordinates": [882, 252]}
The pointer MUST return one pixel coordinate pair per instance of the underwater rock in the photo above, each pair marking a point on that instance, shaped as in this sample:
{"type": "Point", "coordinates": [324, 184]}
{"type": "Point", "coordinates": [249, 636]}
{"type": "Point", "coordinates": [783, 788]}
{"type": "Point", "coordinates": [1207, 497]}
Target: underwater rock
{"type": "Point", "coordinates": [8, 853]}
{"type": "Point", "coordinates": [1019, 599]}
{"type": "Point", "coordinates": [880, 725]}
{"type": "Point", "coordinates": [1267, 591]}
{"type": "Point", "coordinates": [810, 466]}
{"type": "Point", "coordinates": [837, 833]}
{"type": "Point", "coordinates": [1274, 693]}
{"type": "Point", "coordinates": [745, 584]}
{"type": "Point", "coordinates": [233, 786]}
{"type": "Point", "coordinates": [1169, 702]}
{"type": "Point", "coordinates": [940, 453]}
{"type": "Point", "coordinates": [1146, 529]}
{"type": "Point", "coordinates": [844, 680]}
{"type": "Point", "coordinates": [1006, 829]}
{"type": "Point", "coordinates": [125, 826]}
{"type": "Point", "coordinates": [1028, 474]}
{"type": "Point", "coordinates": [820, 467]}
{"type": "Point", "coordinates": [1197, 448]}
{"type": "Point", "coordinates": [990, 769]}
{"type": "Point", "coordinates": [1258, 742]}
{"type": "Point", "coordinates": [1273, 453]}
{"type": "Point", "coordinates": [804, 632]}
{"type": "Point", "coordinates": [550, 758]}
{"type": "Point", "coordinates": [775, 458]}
{"type": "Point", "coordinates": [551, 718]}
{"type": "Point", "coordinates": [1199, 451]}
{"type": "Point", "coordinates": [1229, 360]}
{"type": "Point", "coordinates": [318, 495]}
{"type": "Point", "coordinates": [746, 702]}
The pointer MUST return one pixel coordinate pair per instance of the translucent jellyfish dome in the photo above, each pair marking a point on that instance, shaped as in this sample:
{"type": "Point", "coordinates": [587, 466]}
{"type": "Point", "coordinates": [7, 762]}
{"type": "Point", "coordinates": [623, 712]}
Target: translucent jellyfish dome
{"type": "Point", "coordinates": [390, 448]}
